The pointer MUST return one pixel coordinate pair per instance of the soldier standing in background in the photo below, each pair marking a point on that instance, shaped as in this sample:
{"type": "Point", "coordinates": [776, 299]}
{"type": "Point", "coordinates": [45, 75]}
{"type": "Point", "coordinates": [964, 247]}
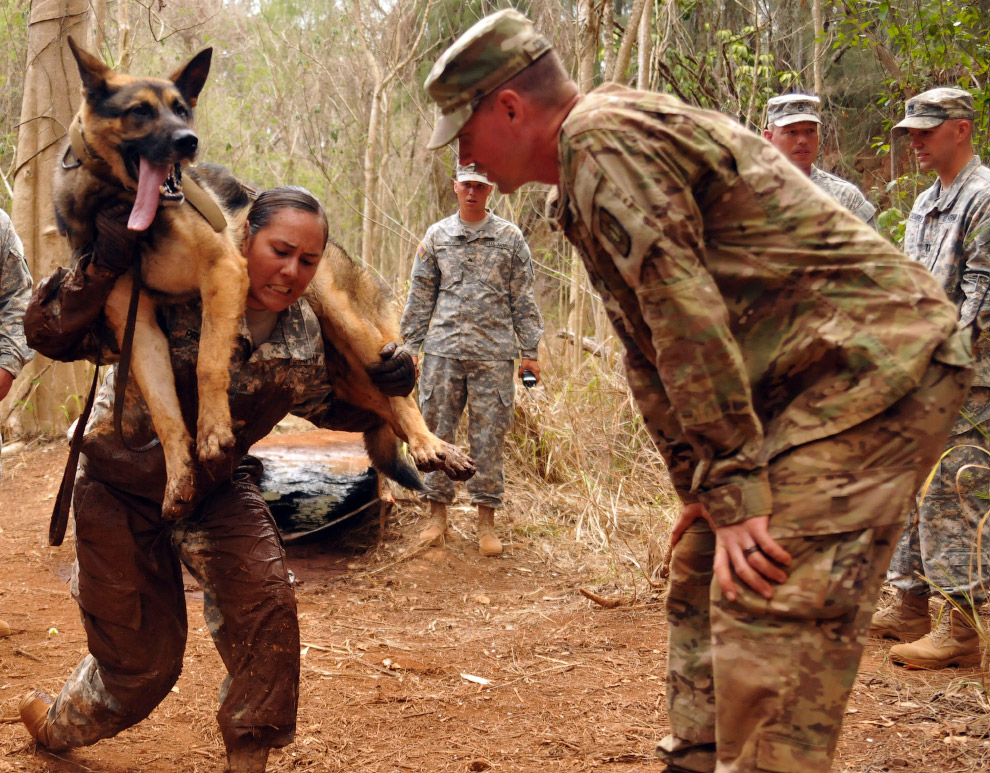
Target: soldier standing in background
{"type": "Point", "coordinates": [471, 308]}
{"type": "Point", "coordinates": [793, 121]}
{"type": "Point", "coordinates": [797, 372]}
{"type": "Point", "coordinates": [15, 291]}
{"type": "Point", "coordinates": [948, 232]}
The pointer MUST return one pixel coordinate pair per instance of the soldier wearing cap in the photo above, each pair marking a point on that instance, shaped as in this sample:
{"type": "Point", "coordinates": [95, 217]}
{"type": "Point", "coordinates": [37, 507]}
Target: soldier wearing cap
{"type": "Point", "coordinates": [792, 367]}
{"type": "Point", "coordinates": [792, 127]}
{"type": "Point", "coordinates": [948, 232]}
{"type": "Point", "coordinates": [472, 309]}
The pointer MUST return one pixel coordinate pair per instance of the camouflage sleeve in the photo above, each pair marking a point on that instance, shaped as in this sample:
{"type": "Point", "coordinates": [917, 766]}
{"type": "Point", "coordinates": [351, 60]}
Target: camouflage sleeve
{"type": "Point", "coordinates": [64, 318]}
{"type": "Point", "coordinates": [638, 203]}
{"type": "Point", "coordinates": [15, 290]}
{"type": "Point", "coordinates": [526, 318]}
{"type": "Point", "coordinates": [976, 268]}
{"type": "Point", "coordinates": [424, 286]}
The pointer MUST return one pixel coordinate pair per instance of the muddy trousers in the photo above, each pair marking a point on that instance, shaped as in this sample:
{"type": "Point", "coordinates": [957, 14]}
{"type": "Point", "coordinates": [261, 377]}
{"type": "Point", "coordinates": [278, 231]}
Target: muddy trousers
{"type": "Point", "coordinates": [128, 584]}
{"type": "Point", "coordinates": [762, 685]}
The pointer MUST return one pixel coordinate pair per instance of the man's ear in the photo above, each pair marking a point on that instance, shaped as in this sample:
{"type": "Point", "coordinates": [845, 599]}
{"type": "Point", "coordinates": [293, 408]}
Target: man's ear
{"type": "Point", "coordinates": [512, 104]}
{"type": "Point", "coordinates": [964, 130]}
{"type": "Point", "coordinates": [768, 135]}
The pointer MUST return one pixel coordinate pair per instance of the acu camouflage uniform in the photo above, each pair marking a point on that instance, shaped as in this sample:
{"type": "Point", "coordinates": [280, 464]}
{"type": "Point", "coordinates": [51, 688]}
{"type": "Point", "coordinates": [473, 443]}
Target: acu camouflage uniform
{"type": "Point", "coordinates": [127, 578]}
{"type": "Point", "coordinates": [846, 193]}
{"type": "Point", "coordinates": [948, 232]}
{"type": "Point", "coordinates": [788, 362]}
{"type": "Point", "coordinates": [471, 309]}
{"type": "Point", "coordinates": [15, 290]}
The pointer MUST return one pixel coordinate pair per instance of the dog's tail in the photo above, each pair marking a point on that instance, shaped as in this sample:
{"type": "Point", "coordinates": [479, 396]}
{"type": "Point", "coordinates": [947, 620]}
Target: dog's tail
{"type": "Point", "coordinates": [385, 451]}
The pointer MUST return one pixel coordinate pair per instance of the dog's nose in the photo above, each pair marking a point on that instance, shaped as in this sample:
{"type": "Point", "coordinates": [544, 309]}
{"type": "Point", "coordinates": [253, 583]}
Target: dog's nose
{"type": "Point", "coordinates": [185, 141]}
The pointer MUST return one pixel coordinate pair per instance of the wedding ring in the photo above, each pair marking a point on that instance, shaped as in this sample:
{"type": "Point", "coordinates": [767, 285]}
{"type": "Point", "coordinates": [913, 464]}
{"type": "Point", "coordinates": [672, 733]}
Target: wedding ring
{"type": "Point", "coordinates": [750, 550]}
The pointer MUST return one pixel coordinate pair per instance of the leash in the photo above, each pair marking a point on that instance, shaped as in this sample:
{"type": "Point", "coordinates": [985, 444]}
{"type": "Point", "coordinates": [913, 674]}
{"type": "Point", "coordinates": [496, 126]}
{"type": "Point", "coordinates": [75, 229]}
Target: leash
{"type": "Point", "coordinates": [60, 513]}
{"type": "Point", "coordinates": [124, 365]}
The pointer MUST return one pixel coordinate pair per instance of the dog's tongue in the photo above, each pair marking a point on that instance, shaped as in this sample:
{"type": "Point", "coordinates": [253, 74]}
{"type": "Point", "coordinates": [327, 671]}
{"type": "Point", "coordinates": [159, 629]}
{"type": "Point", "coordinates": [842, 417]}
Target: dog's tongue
{"type": "Point", "coordinates": [150, 179]}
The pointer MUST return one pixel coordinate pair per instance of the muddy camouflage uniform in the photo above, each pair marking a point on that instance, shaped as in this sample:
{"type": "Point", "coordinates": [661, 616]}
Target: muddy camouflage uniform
{"type": "Point", "coordinates": [471, 308]}
{"type": "Point", "coordinates": [15, 290]}
{"type": "Point", "coordinates": [788, 362]}
{"type": "Point", "coordinates": [846, 193]}
{"type": "Point", "coordinates": [949, 233]}
{"type": "Point", "coordinates": [127, 578]}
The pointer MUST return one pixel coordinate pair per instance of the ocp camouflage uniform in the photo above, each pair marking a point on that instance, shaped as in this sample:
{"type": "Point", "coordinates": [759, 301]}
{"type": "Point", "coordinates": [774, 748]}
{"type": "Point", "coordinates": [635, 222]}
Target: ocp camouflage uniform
{"type": "Point", "coordinates": [127, 577]}
{"type": "Point", "coordinates": [471, 308]}
{"type": "Point", "coordinates": [787, 362]}
{"type": "Point", "coordinates": [15, 290]}
{"type": "Point", "coordinates": [948, 232]}
{"type": "Point", "coordinates": [846, 193]}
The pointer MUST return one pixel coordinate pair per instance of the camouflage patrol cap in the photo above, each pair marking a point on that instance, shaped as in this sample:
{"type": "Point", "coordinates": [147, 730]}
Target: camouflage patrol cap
{"type": "Point", "coordinates": [792, 108]}
{"type": "Point", "coordinates": [479, 61]}
{"type": "Point", "coordinates": [468, 173]}
{"type": "Point", "coordinates": [932, 107]}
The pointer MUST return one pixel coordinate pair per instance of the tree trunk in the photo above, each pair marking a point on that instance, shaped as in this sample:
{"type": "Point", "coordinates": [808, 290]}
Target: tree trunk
{"type": "Point", "coordinates": [628, 38]}
{"type": "Point", "coordinates": [50, 391]}
{"type": "Point", "coordinates": [587, 45]}
{"type": "Point", "coordinates": [645, 47]}
{"type": "Point", "coordinates": [816, 13]}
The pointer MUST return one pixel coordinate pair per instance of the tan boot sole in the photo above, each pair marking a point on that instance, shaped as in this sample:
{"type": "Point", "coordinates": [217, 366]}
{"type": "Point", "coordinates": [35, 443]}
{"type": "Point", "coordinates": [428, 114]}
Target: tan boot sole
{"type": "Point", "coordinates": [931, 664]}
{"type": "Point", "coordinates": [489, 545]}
{"type": "Point", "coordinates": [33, 709]}
{"type": "Point", "coordinates": [432, 534]}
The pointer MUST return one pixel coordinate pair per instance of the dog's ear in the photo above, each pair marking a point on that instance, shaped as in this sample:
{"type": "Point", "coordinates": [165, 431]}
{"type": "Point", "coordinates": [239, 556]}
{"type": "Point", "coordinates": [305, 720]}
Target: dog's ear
{"type": "Point", "coordinates": [190, 79]}
{"type": "Point", "coordinates": [92, 71]}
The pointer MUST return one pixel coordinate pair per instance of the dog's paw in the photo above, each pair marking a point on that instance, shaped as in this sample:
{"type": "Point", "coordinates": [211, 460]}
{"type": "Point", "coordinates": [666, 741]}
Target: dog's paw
{"type": "Point", "coordinates": [443, 457]}
{"type": "Point", "coordinates": [456, 463]}
{"type": "Point", "coordinates": [178, 501]}
{"type": "Point", "coordinates": [213, 442]}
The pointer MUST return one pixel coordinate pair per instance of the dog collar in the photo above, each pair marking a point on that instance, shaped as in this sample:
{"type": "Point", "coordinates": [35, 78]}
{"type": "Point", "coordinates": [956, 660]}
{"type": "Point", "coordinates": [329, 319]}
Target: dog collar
{"type": "Point", "coordinates": [198, 198]}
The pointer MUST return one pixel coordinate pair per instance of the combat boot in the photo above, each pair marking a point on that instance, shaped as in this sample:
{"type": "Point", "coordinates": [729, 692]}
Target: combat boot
{"type": "Point", "coordinates": [33, 709]}
{"type": "Point", "coordinates": [488, 543]}
{"type": "Point", "coordinates": [954, 642]}
{"type": "Point", "coordinates": [433, 534]}
{"type": "Point", "coordinates": [247, 759]}
{"type": "Point", "coordinates": [905, 619]}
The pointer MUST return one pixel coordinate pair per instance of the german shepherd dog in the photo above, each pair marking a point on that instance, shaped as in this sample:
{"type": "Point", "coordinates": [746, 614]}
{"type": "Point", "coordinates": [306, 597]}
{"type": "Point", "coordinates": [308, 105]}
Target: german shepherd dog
{"type": "Point", "coordinates": [132, 140]}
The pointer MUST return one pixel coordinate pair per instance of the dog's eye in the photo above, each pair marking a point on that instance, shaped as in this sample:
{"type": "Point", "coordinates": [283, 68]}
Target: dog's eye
{"type": "Point", "coordinates": [180, 110]}
{"type": "Point", "coordinates": [142, 110]}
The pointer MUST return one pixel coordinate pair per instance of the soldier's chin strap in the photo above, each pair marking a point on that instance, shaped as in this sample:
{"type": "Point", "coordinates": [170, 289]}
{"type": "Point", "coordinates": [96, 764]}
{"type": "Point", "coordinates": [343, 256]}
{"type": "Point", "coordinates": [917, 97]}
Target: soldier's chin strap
{"type": "Point", "coordinates": [198, 198]}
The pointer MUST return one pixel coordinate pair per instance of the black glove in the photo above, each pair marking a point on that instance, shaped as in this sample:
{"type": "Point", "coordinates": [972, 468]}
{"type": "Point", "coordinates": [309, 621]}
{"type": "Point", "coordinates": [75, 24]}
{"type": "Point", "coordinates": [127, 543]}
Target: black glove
{"type": "Point", "coordinates": [395, 375]}
{"type": "Point", "coordinates": [115, 246]}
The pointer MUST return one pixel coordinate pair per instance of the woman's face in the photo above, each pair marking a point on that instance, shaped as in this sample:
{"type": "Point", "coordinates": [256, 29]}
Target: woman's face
{"type": "Point", "coordinates": [282, 258]}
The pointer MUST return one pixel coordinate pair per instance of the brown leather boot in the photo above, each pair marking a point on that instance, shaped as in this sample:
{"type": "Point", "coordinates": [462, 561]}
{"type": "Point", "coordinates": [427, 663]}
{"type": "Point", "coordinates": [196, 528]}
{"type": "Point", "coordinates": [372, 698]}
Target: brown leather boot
{"type": "Point", "coordinates": [954, 642]}
{"type": "Point", "coordinates": [33, 709]}
{"type": "Point", "coordinates": [247, 759]}
{"type": "Point", "coordinates": [488, 543]}
{"type": "Point", "coordinates": [905, 619]}
{"type": "Point", "coordinates": [434, 533]}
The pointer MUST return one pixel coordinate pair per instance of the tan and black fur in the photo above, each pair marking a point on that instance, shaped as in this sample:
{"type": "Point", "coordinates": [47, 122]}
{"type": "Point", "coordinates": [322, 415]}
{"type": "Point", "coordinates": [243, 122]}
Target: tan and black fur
{"type": "Point", "coordinates": [123, 118]}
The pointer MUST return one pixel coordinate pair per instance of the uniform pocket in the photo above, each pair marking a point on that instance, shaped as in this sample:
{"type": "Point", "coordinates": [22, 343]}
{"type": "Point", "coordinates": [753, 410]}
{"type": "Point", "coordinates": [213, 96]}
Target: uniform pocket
{"type": "Point", "coordinates": [107, 601]}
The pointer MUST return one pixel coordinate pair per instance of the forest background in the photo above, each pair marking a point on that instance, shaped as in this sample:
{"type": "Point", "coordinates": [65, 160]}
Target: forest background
{"type": "Point", "coordinates": [329, 95]}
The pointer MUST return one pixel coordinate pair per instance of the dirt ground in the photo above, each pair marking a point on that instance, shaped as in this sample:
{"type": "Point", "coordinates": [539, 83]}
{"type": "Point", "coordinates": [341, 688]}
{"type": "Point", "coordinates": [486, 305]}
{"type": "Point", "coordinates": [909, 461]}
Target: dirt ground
{"type": "Point", "coordinates": [434, 661]}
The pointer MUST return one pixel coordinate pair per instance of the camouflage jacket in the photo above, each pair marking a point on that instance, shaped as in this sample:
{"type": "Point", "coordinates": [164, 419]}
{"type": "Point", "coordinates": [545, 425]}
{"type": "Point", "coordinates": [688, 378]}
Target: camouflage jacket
{"type": "Point", "coordinates": [847, 194]}
{"type": "Point", "coordinates": [471, 294]}
{"type": "Point", "coordinates": [757, 313]}
{"type": "Point", "coordinates": [15, 290]}
{"type": "Point", "coordinates": [285, 374]}
{"type": "Point", "coordinates": [948, 232]}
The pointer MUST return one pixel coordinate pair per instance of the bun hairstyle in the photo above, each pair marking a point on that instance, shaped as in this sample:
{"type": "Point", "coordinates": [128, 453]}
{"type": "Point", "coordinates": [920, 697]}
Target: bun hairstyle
{"type": "Point", "coordinates": [274, 199]}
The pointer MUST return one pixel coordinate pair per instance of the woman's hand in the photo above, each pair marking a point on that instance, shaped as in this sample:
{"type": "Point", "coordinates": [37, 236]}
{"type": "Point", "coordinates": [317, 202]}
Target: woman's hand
{"type": "Point", "coordinates": [748, 549]}
{"type": "Point", "coordinates": [395, 374]}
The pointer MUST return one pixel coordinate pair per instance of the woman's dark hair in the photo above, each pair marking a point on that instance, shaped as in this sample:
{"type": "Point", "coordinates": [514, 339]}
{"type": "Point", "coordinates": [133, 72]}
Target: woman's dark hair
{"type": "Point", "coordinates": [274, 199]}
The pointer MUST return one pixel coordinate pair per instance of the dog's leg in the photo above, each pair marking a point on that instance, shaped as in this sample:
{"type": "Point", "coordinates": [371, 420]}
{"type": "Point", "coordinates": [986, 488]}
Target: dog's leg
{"type": "Point", "coordinates": [223, 287]}
{"type": "Point", "coordinates": [429, 452]}
{"type": "Point", "coordinates": [152, 371]}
